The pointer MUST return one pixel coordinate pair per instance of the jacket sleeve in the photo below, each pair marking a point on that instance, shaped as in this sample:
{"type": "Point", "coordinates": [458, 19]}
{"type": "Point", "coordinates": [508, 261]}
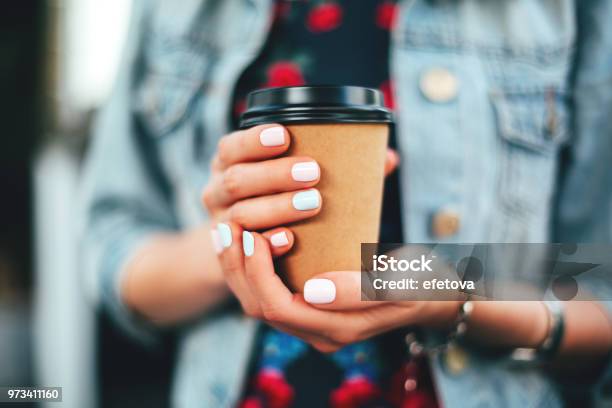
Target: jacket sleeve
{"type": "Point", "coordinates": [585, 198]}
{"type": "Point", "coordinates": [125, 197]}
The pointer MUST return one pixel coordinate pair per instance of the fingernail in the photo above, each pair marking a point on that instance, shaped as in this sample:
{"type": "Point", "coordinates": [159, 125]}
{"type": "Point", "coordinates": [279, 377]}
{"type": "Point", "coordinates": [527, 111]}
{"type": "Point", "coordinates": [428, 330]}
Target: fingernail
{"type": "Point", "coordinates": [248, 243]}
{"type": "Point", "coordinates": [274, 136]}
{"type": "Point", "coordinates": [216, 240]}
{"type": "Point", "coordinates": [307, 171]}
{"type": "Point", "coordinates": [225, 232]}
{"type": "Point", "coordinates": [319, 291]}
{"type": "Point", "coordinates": [279, 239]}
{"type": "Point", "coordinates": [306, 200]}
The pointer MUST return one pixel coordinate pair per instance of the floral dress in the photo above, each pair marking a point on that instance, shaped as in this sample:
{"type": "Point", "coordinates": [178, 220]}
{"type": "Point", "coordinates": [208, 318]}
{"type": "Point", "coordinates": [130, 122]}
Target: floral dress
{"type": "Point", "coordinates": [319, 42]}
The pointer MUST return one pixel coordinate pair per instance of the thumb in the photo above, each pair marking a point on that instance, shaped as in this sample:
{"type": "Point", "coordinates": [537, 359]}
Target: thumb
{"type": "Point", "coordinates": [336, 291]}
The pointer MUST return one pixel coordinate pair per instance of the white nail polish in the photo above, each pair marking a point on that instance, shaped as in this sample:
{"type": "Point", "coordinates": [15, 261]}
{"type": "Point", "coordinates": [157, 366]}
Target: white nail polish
{"type": "Point", "coordinates": [225, 232]}
{"type": "Point", "coordinates": [306, 200]}
{"type": "Point", "coordinates": [248, 243]}
{"type": "Point", "coordinates": [319, 291]}
{"type": "Point", "coordinates": [279, 239]}
{"type": "Point", "coordinates": [274, 136]}
{"type": "Point", "coordinates": [306, 171]}
{"type": "Point", "coordinates": [216, 240]}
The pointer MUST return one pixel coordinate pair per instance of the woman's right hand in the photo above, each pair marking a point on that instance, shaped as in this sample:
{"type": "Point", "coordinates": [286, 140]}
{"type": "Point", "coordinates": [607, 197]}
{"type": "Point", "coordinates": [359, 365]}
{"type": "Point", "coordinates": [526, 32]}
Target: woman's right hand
{"type": "Point", "coordinates": [253, 187]}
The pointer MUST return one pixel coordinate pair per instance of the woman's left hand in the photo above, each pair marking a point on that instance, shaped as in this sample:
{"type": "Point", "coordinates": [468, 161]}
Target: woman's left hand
{"type": "Point", "coordinates": [330, 314]}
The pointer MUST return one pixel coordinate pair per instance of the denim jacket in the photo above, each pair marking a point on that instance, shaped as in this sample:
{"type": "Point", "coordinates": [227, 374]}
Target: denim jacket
{"type": "Point", "coordinates": [519, 149]}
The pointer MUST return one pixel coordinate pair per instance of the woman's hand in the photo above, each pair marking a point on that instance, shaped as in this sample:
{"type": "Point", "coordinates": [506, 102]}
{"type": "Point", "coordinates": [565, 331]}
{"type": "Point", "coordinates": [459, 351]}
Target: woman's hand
{"type": "Point", "coordinates": [253, 187]}
{"type": "Point", "coordinates": [331, 314]}
{"type": "Point", "coordinates": [335, 316]}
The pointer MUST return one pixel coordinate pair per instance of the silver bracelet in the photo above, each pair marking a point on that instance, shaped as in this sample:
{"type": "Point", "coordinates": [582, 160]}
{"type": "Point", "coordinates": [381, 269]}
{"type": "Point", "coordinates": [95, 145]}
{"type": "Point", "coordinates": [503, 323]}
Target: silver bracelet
{"type": "Point", "coordinates": [416, 348]}
{"type": "Point", "coordinates": [460, 326]}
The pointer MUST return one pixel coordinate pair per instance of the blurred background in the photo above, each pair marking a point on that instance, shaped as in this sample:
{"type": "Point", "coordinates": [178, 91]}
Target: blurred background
{"type": "Point", "coordinates": [58, 60]}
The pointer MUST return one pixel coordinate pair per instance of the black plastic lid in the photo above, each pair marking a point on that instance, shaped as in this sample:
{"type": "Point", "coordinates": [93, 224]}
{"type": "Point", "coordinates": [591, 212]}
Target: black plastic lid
{"type": "Point", "coordinates": [315, 104]}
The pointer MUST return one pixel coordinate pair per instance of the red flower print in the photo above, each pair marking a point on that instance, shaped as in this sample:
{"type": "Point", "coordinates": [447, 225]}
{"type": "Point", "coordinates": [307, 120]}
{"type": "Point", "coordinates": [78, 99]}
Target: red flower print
{"type": "Point", "coordinates": [284, 73]}
{"type": "Point", "coordinates": [387, 89]}
{"type": "Point", "coordinates": [251, 402]}
{"type": "Point", "coordinates": [354, 393]}
{"type": "Point", "coordinates": [420, 399]}
{"type": "Point", "coordinates": [385, 15]}
{"type": "Point", "coordinates": [277, 391]}
{"type": "Point", "coordinates": [324, 17]}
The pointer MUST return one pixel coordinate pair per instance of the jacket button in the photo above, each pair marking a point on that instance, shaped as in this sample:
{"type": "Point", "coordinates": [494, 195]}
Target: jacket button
{"type": "Point", "coordinates": [439, 85]}
{"type": "Point", "coordinates": [445, 224]}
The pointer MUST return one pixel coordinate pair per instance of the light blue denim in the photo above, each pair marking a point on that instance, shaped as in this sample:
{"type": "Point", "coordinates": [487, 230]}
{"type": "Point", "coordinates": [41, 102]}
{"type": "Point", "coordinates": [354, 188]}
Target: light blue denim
{"type": "Point", "coordinates": [534, 77]}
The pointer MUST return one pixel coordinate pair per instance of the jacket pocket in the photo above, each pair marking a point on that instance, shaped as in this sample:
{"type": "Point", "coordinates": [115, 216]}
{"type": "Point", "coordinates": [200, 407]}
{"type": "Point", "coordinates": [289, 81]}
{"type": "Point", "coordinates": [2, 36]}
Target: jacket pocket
{"type": "Point", "coordinates": [171, 77]}
{"type": "Point", "coordinates": [533, 125]}
{"type": "Point", "coordinates": [535, 119]}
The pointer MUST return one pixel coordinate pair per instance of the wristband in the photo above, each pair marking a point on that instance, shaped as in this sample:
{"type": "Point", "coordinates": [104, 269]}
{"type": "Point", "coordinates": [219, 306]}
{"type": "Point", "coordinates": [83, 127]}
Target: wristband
{"type": "Point", "coordinates": [552, 342]}
{"type": "Point", "coordinates": [556, 329]}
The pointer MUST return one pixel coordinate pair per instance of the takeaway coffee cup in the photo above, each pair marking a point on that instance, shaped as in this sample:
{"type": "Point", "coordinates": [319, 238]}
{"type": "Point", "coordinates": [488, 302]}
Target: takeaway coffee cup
{"type": "Point", "coordinates": [345, 129]}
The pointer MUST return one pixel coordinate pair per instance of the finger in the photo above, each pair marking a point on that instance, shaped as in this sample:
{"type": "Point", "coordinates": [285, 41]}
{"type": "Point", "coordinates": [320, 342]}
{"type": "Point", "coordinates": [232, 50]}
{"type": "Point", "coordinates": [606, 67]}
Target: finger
{"type": "Point", "coordinates": [336, 291]}
{"type": "Point", "coordinates": [391, 161]}
{"type": "Point", "coordinates": [243, 180]}
{"type": "Point", "coordinates": [256, 143]}
{"type": "Point", "coordinates": [259, 271]}
{"type": "Point", "coordinates": [278, 304]}
{"type": "Point", "coordinates": [272, 210]}
{"type": "Point", "coordinates": [281, 240]}
{"type": "Point", "coordinates": [321, 343]}
{"type": "Point", "coordinates": [231, 258]}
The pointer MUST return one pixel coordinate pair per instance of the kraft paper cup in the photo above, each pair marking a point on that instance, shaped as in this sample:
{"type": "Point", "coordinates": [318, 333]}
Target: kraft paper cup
{"type": "Point", "coordinates": [346, 130]}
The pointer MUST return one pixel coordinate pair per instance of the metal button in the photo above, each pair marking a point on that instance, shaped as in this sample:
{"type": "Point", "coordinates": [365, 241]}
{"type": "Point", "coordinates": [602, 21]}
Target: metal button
{"type": "Point", "coordinates": [439, 85]}
{"type": "Point", "coordinates": [445, 223]}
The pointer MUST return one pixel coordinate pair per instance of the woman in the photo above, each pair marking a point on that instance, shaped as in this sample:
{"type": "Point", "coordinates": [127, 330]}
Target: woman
{"type": "Point", "coordinates": [487, 97]}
